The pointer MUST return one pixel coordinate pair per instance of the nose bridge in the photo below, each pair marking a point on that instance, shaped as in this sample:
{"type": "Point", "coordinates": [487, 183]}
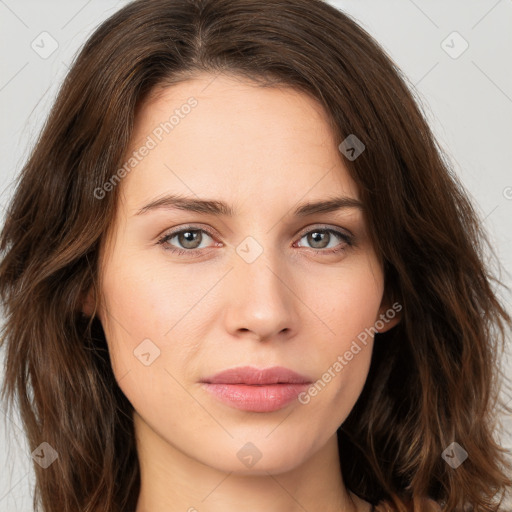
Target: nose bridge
{"type": "Point", "coordinates": [261, 299]}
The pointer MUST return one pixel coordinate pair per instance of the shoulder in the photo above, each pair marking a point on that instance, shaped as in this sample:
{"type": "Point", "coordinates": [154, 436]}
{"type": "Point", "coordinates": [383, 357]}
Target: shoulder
{"type": "Point", "coordinates": [426, 504]}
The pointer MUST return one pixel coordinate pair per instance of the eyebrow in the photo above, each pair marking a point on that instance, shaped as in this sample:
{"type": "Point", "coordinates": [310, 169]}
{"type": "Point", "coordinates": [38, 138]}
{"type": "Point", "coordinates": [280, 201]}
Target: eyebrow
{"type": "Point", "coordinates": [220, 208]}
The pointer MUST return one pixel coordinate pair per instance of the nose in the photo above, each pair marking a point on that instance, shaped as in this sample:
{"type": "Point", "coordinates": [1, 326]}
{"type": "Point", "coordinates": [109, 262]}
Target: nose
{"type": "Point", "coordinates": [262, 303]}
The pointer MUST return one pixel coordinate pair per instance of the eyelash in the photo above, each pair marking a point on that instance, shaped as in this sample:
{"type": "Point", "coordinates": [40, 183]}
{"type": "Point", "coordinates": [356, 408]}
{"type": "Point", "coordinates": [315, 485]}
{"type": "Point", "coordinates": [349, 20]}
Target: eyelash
{"type": "Point", "coordinates": [181, 252]}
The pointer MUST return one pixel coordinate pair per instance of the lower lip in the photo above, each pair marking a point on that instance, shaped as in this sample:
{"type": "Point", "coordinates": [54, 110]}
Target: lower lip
{"type": "Point", "coordinates": [256, 398]}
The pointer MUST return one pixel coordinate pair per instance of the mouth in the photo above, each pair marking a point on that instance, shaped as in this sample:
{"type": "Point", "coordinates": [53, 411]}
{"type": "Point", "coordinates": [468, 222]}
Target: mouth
{"type": "Point", "coordinates": [250, 375]}
{"type": "Point", "coordinates": [253, 390]}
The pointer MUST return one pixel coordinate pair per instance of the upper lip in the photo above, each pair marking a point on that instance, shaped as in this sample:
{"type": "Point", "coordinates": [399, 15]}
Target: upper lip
{"type": "Point", "coordinates": [252, 375]}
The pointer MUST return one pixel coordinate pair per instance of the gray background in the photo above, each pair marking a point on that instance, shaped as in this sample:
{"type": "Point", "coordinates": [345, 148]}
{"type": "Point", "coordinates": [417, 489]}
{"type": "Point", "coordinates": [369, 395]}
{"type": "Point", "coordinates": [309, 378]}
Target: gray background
{"type": "Point", "coordinates": [466, 96]}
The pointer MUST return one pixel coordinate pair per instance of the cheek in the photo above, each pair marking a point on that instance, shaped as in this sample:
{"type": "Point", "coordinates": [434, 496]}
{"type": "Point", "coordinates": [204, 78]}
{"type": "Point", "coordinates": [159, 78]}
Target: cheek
{"type": "Point", "coordinates": [348, 300]}
{"type": "Point", "coordinates": [349, 307]}
{"type": "Point", "coordinates": [138, 322]}
{"type": "Point", "coordinates": [150, 320]}
{"type": "Point", "coordinates": [147, 302]}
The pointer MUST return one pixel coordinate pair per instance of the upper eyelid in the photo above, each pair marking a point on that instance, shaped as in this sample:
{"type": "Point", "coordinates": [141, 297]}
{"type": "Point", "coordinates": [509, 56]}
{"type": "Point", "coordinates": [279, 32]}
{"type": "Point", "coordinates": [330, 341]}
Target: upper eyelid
{"type": "Point", "coordinates": [323, 227]}
{"type": "Point", "coordinates": [301, 233]}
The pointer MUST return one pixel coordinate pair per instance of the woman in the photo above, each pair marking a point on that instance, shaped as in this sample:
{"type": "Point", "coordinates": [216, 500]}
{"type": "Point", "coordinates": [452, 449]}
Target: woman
{"type": "Point", "coordinates": [238, 273]}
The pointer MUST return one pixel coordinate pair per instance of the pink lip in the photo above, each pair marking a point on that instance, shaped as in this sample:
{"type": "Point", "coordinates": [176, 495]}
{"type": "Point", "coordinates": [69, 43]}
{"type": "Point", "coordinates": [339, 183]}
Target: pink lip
{"type": "Point", "coordinates": [251, 389]}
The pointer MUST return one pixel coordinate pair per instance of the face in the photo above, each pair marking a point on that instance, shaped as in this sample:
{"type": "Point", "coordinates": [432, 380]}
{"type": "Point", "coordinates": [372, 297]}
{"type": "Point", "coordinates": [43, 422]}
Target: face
{"type": "Point", "coordinates": [187, 294]}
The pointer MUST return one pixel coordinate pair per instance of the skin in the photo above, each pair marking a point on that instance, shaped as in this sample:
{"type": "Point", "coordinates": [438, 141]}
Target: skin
{"type": "Point", "coordinates": [261, 150]}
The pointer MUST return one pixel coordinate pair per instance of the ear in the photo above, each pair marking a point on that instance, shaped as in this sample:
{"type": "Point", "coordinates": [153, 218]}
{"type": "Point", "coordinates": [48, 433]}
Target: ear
{"type": "Point", "coordinates": [88, 303]}
{"type": "Point", "coordinates": [390, 314]}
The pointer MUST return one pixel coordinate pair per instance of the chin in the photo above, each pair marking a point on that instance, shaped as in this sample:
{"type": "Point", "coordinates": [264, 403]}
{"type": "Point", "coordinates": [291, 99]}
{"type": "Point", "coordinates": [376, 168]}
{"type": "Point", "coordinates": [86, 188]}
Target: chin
{"type": "Point", "coordinates": [257, 457]}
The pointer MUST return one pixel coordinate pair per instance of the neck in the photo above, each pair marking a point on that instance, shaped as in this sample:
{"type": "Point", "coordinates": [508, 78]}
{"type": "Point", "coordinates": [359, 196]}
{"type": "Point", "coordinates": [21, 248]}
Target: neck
{"type": "Point", "coordinates": [171, 481]}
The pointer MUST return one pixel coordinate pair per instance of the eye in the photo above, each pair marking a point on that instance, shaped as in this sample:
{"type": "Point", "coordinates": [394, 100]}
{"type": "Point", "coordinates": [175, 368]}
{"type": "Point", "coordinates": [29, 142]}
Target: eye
{"type": "Point", "coordinates": [191, 238]}
{"type": "Point", "coordinates": [320, 238]}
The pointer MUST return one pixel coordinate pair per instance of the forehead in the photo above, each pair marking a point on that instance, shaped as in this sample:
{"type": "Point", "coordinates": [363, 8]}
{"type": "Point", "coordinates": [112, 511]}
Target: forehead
{"type": "Point", "coordinates": [223, 136]}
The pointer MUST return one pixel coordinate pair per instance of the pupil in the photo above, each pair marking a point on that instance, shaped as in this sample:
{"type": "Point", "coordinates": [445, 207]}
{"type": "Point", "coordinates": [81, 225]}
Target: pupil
{"type": "Point", "coordinates": [187, 239]}
{"type": "Point", "coordinates": [317, 238]}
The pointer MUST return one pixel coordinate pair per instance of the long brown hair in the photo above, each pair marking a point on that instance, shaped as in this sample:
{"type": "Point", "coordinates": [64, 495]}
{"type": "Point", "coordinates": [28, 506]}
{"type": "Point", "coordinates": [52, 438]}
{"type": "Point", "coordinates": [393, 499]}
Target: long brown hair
{"type": "Point", "coordinates": [434, 378]}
